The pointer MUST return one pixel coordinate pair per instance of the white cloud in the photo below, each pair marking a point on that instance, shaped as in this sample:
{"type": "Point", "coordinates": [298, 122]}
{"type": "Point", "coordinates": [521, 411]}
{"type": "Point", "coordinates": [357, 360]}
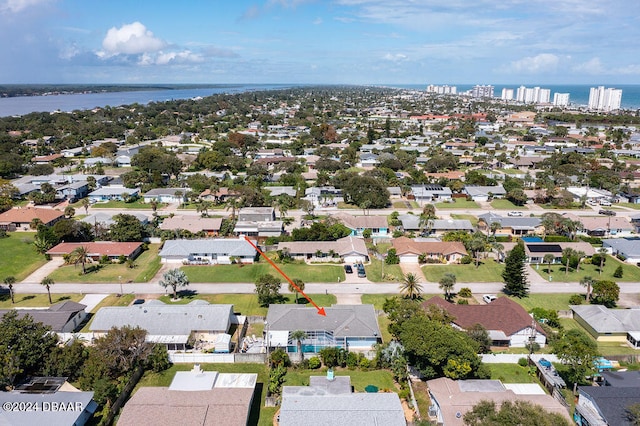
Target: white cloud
{"type": "Point", "coordinates": [398, 57]}
{"type": "Point", "coordinates": [542, 63]}
{"type": "Point", "coordinates": [130, 39]}
{"type": "Point", "coordinates": [592, 66]}
{"type": "Point", "coordinates": [19, 5]}
{"type": "Point", "coordinates": [631, 69]}
{"type": "Point", "coordinates": [317, 21]}
{"type": "Point", "coordinates": [177, 57]}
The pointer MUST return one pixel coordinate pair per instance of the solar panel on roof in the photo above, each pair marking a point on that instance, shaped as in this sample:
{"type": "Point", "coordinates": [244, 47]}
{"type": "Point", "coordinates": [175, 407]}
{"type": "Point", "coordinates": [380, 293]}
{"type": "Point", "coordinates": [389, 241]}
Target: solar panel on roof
{"type": "Point", "coordinates": [544, 248]}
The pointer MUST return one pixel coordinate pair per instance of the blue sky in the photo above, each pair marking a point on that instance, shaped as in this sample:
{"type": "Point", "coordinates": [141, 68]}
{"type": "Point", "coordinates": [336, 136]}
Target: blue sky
{"type": "Point", "coordinates": [330, 41]}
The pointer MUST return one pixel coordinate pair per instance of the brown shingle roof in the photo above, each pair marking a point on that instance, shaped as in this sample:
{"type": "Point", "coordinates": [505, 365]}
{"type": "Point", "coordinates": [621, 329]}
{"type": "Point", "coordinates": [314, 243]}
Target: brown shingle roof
{"type": "Point", "coordinates": [364, 222]}
{"type": "Point", "coordinates": [404, 245]}
{"type": "Point", "coordinates": [502, 314]}
{"type": "Point", "coordinates": [27, 214]}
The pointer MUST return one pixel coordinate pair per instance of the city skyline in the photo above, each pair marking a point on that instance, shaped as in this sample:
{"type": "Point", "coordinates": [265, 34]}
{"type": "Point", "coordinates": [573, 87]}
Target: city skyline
{"type": "Point", "coordinates": [315, 42]}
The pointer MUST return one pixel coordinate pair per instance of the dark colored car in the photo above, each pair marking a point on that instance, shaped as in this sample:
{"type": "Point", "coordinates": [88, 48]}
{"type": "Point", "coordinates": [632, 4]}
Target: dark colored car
{"type": "Point", "coordinates": [138, 302]}
{"type": "Point", "coordinates": [361, 272]}
{"type": "Point", "coordinates": [348, 269]}
{"type": "Point", "coordinates": [607, 212]}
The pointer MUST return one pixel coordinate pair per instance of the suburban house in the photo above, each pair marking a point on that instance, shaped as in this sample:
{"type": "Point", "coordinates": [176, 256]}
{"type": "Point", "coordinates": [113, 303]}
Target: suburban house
{"type": "Point", "coordinates": [73, 191]}
{"type": "Point", "coordinates": [219, 196]}
{"type": "Point", "coordinates": [535, 251]}
{"type": "Point", "coordinates": [593, 195]}
{"type": "Point", "coordinates": [608, 404]}
{"type": "Point", "coordinates": [166, 195]}
{"type": "Point", "coordinates": [626, 248]}
{"type": "Point", "coordinates": [258, 222]}
{"type": "Point", "coordinates": [274, 191]}
{"type": "Point", "coordinates": [409, 250]}
{"type": "Point", "coordinates": [431, 193]}
{"type": "Point", "coordinates": [411, 222]}
{"type": "Point", "coordinates": [106, 219]}
{"type": "Point", "coordinates": [58, 403]}
{"type": "Point", "coordinates": [510, 226]}
{"type": "Point", "coordinates": [601, 226]}
{"type": "Point", "coordinates": [172, 325]}
{"type": "Point", "coordinates": [98, 249]}
{"type": "Point", "coordinates": [21, 217]}
{"type": "Point", "coordinates": [506, 321]}
{"type": "Point", "coordinates": [351, 327]}
{"type": "Point", "coordinates": [193, 224]}
{"type": "Point", "coordinates": [62, 317]}
{"type": "Point", "coordinates": [108, 193]}
{"type": "Point", "coordinates": [609, 325]}
{"type": "Point", "coordinates": [208, 251]}
{"type": "Point", "coordinates": [196, 397]}
{"type": "Point", "coordinates": [347, 250]}
{"type": "Point", "coordinates": [358, 224]}
{"type": "Point", "coordinates": [323, 196]}
{"type": "Point", "coordinates": [332, 399]}
{"type": "Point", "coordinates": [484, 193]}
{"type": "Point", "coordinates": [451, 399]}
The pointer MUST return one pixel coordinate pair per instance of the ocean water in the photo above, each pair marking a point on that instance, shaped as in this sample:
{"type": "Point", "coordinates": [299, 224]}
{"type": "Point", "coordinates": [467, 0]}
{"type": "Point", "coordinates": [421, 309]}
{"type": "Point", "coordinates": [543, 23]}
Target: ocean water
{"type": "Point", "coordinates": [579, 93]}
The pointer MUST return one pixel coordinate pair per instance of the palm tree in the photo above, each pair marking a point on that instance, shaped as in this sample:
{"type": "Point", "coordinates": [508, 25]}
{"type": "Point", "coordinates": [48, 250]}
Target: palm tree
{"type": "Point", "coordinates": [232, 203]}
{"type": "Point", "coordinates": [602, 252]}
{"type": "Point", "coordinates": [477, 244]}
{"type": "Point", "coordinates": [10, 281]}
{"type": "Point", "coordinates": [174, 278]}
{"type": "Point", "coordinates": [300, 284]}
{"type": "Point", "coordinates": [154, 204]}
{"type": "Point", "coordinates": [548, 259]}
{"type": "Point", "coordinates": [41, 244]}
{"type": "Point", "coordinates": [85, 204]}
{"type": "Point", "coordinates": [446, 283]}
{"type": "Point", "coordinates": [69, 211]}
{"type": "Point", "coordinates": [48, 282]}
{"type": "Point", "coordinates": [494, 227]}
{"type": "Point", "coordinates": [80, 255]}
{"type": "Point", "coordinates": [581, 255]}
{"type": "Point", "coordinates": [587, 282]}
{"type": "Point", "coordinates": [410, 286]}
{"type": "Point", "coordinates": [567, 253]}
{"type": "Point", "coordinates": [299, 336]}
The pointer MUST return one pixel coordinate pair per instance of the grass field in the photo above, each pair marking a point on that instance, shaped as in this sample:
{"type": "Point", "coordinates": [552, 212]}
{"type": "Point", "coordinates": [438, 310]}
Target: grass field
{"type": "Point", "coordinates": [19, 258]}
{"type": "Point", "coordinates": [392, 273]}
{"type": "Point", "coordinates": [630, 272]}
{"type": "Point", "coordinates": [34, 300]}
{"type": "Point", "coordinates": [249, 273]}
{"type": "Point", "coordinates": [259, 414]}
{"type": "Point", "coordinates": [502, 204]}
{"type": "Point", "coordinates": [383, 379]}
{"type": "Point", "coordinates": [471, 218]}
{"type": "Point", "coordinates": [148, 263]}
{"type": "Point", "coordinates": [555, 301]}
{"type": "Point", "coordinates": [460, 203]}
{"type": "Point", "coordinates": [114, 204]}
{"type": "Point", "coordinates": [511, 373]}
{"type": "Point", "coordinates": [488, 271]}
{"type": "Point", "coordinates": [247, 304]}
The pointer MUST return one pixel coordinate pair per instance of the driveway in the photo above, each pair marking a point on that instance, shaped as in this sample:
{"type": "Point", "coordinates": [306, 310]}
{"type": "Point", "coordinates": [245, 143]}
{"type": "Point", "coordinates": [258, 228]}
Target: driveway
{"type": "Point", "coordinates": [413, 268]}
{"type": "Point", "coordinates": [38, 275]}
{"type": "Point", "coordinates": [349, 299]}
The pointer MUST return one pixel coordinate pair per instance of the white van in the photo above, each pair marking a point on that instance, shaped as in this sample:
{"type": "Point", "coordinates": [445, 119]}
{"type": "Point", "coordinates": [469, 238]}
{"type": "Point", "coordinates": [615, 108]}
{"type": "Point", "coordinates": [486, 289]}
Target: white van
{"type": "Point", "coordinates": [605, 203]}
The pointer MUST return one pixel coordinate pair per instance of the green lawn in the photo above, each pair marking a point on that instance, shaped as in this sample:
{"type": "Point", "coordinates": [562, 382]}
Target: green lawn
{"type": "Point", "coordinates": [259, 414]}
{"type": "Point", "coordinates": [604, 348]}
{"type": "Point", "coordinates": [511, 373]}
{"type": "Point", "coordinates": [374, 271]}
{"type": "Point", "coordinates": [629, 205]}
{"type": "Point", "coordinates": [34, 300]}
{"type": "Point", "coordinates": [115, 204]}
{"type": "Point", "coordinates": [247, 304]}
{"type": "Point", "coordinates": [19, 258]}
{"type": "Point", "coordinates": [249, 273]}
{"type": "Point", "coordinates": [110, 300]}
{"type": "Point", "coordinates": [488, 271]}
{"type": "Point", "coordinates": [630, 272]}
{"type": "Point", "coordinates": [502, 204]}
{"type": "Point", "coordinates": [383, 379]}
{"type": "Point", "coordinates": [460, 203]}
{"type": "Point", "coordinates": [557, 302]}
{"type": "Point", "coordinates": [148, 263]}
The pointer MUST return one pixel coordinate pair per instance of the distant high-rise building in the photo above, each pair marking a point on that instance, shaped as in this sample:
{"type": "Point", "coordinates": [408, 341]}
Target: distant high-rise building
{"type": "Point", "coordinates": [533, 95]}
{"type": "Point", "coordinates": [604, 99]}
{"type": "Point", "coordinates": [561, 99]}
{"type": "Point", "coordinates": [507, 94]}
{"type": "Point", "coordinates": [482, 91]}
{"type": "Point", "coordinates": [442, 90]}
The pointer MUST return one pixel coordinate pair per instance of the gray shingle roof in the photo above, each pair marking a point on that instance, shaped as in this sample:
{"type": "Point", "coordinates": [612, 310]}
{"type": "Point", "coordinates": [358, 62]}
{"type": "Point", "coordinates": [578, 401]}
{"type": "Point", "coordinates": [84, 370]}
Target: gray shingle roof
{"type": "Point", "coordinates": [605, 320]}
{"type": "Point", "coordinates": [612, 402]}
{"type": "Point", "coordinates": [56, 316]}
{"type": "Point", "coordinates": [84, 401]}
{"type": "Point", "coordinates": [219, 246]}
{"type": "Point", "coordinates": [511, 222]}
{"type": "Point", "coordinates": [627, 247]}
{"type": "Point", "coordinates": [161, 319]}
{"type": "Point", "coordinates": [342, 320]}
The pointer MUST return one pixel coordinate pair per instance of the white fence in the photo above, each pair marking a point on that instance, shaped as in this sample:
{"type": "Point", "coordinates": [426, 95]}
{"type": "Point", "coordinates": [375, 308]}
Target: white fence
{"type": "Point", "coordinates": [193, 358]}
{"type": "Point", "coordinates": [513, 358]}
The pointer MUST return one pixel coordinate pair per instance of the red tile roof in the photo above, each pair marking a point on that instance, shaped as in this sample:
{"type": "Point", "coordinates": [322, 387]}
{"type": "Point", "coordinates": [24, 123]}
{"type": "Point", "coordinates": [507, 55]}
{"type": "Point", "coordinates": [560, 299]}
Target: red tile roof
{"type": "Point", "coordinates": [27, 214]}
{"type": "Point", "coordinates": [404, 245]}
{"type": "Point", "coordinates": [502, 314]}
{"type": "Point", "coordinates": [97, 248]}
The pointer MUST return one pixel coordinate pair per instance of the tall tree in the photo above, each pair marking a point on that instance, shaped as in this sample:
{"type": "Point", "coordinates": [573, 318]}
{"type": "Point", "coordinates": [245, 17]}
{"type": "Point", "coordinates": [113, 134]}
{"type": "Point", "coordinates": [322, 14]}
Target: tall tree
{"type": "Point", "coordinates": [127, 228]}
{"type": "Point", "coordinates": [300, 284]}
{"type": "Point", "coordinates": [514, 274]}
{"type": "Point", "coordinates": [512, 413]}
{"type": "Point", "coordinates": [298, 336]}
{"type": "Point", "coordinates": [268, 289]}
{"type": "Point", "coordinates": [548, 259]}
{"type": "Point", "coordinates": [577, 350]}
{"type": "Point", "coordinates": [410, 286]}
{"type": "Point", "coordinates": [567, 253]}
{"type": "Point", "coordinates": [10, 281]}
{"type": "Point", "coordinates": [80, 255]}
{"type": "Point", "coordinates": [174, 278]}
{"type": "Point", "coordinates": [48, 282]}
{"type": "Point", "coordinates": [606, 292]}
{"type": "Point", "coordinates": [446, 283]}
{"type": "Point", "coordinates": [588, 283]}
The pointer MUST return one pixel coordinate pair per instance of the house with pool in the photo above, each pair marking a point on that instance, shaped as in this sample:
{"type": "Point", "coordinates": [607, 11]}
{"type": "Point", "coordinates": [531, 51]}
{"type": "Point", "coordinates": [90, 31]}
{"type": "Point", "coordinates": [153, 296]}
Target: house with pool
{"type": "Point", "coordinates": [351, 327]}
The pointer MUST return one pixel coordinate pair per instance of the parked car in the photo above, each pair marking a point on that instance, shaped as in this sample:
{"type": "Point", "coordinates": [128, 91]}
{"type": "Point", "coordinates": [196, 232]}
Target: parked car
{"type": "Point", "coordinates": [607, 212]}
{"type": "Point", "coordinates": [138, 302]}
{"type": "Point", "coordinates": [348, 269]}
{"type": "Point", "coordinates": [362, 273]}
{"type": "Point", "coordinates": [488, 298]}
{"type": "Point", "coordinates": [605, 203]}
{"type": "Point", "coordinates": [515, 214]}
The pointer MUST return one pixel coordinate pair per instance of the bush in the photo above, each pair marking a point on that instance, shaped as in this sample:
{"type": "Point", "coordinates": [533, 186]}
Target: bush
{"type": "Point", "coordinates": [364, 363]}
{"type": "Point", "coordinates": [104, 259]}
{"type": "Point", "coordinates": [392, 257]}
{"type": "Point", "coordinates": [465, 292]}
{"type": "Point", "coordinates": [462, 302]}
{"type": "Point", "coordinates": [122, 258]}
{"type": "Point", "coordinates": [314, 363]}
{"type": "Point", "coordinates": [333, 357]}
{"type": "Point", "coordinates": [280, 357]}
{"type": "Point", "coordinates": [557, 239]}
{"type": "Point", "coordinates": [3, 234]}
{"type": "Point", "coordinates": [503, 239]}
{"type": "Point", "coordinates": [591, 240]}
{"type": "Point", "coordinates": [352, 360]}
{"type": "Point", "coordinates": [618, 273]}
{"type": "Point", "coordinates": [522, 362]}
{"type": "Point", "coordinates": [576, 299]}
{"type": "Point", "coordinates": [465, 260]}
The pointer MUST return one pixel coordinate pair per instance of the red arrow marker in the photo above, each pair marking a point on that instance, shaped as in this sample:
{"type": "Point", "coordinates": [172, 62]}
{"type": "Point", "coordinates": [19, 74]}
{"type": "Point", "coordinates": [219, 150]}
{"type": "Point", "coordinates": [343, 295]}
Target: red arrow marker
{"type": "Point", "coordinates": [320, 310]}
